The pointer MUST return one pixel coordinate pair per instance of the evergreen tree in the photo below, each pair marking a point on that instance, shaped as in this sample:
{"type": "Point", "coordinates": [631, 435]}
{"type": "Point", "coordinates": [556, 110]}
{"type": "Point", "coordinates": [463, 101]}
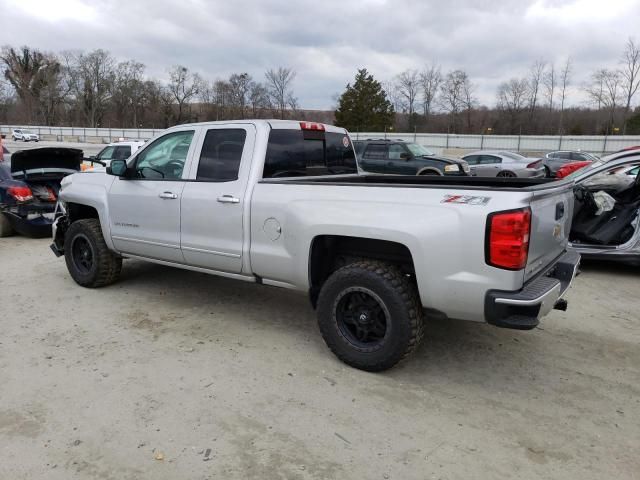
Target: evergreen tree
{"type": "Point", "coordinates": [364, 106]}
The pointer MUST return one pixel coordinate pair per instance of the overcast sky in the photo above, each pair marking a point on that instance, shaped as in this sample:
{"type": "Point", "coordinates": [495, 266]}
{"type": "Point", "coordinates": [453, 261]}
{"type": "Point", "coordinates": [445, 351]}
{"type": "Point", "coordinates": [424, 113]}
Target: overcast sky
{"type": "Point", "coordinates": [326, 41]}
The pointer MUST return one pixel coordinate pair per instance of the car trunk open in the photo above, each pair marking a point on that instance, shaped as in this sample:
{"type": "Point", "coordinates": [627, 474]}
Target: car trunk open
{"type": "Point", "coordinates": [42, 169]}
{"type": "Point", "coordinates": [44, 162]}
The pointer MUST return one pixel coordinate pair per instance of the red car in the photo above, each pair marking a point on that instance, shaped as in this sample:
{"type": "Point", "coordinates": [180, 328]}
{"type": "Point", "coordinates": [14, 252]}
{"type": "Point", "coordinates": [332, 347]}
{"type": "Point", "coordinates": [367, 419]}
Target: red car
{"type": "Point", "coordinates": [570, 168]}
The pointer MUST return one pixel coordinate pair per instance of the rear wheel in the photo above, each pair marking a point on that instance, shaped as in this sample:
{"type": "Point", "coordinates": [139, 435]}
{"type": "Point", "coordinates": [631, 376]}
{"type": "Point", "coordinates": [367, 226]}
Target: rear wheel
{"type": "Point", "coordinates": [89, 260]}
{"type": "Point", "coordinates": [370, 315]}
{"type": "Point", "coordinates": [6, 229]}
{"type": "Point", "coordinates": [506, 174]}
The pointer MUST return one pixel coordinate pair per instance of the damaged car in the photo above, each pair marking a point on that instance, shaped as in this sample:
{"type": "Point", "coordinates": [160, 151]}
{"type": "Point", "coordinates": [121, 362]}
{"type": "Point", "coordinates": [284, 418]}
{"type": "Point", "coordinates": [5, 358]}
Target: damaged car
{"type": "Point", "coordinates": [606, 219]}
{"type": "Point", "coordinates": [29, 186]}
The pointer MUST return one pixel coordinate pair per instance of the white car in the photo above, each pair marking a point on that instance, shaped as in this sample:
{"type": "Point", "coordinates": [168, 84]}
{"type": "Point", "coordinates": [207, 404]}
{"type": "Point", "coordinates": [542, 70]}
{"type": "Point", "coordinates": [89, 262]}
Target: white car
{"type": "Point", "coordinates": [24, 135]}
{"type": "Point", "coordinates": [117, 151]}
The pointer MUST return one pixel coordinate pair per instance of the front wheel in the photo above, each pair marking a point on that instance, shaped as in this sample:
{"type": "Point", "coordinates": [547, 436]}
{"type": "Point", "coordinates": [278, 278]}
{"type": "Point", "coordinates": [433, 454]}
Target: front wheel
{"type": "Point", "coordinates": [89, 260]}
{"type": "Point", "coordinates": [370, 315]}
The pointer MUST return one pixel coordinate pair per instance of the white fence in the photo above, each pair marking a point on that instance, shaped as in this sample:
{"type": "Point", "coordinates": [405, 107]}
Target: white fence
{"type": "Point", "coordinates": [435, 141]}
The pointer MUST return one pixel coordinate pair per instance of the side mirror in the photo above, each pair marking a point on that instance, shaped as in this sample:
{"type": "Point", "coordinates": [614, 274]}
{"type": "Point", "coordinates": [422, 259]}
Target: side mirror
{"type": "Point", "coordinates": [117, 168]}
{"type": "Point", "coordinates": [405, 156]}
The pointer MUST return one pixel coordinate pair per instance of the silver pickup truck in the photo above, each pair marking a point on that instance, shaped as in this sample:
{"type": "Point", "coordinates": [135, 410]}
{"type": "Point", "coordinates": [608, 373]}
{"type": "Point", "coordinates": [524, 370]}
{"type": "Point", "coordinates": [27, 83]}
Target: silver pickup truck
{"type": "Point", "coordinates": [282, 203]}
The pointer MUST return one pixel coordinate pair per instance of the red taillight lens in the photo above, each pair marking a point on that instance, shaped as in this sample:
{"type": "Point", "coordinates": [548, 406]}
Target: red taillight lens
{"type": "Point", "coordinates": [535, 164]}
{"type": "Point", "coordinates": [508, 239]}
{"type": "Point", "coordinates": [312, 126]}
{"type": "Point", "coordinates": [21, 194]}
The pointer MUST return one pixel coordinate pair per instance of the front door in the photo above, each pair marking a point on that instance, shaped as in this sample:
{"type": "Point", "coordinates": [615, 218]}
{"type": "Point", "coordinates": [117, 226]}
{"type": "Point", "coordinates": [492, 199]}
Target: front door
{"type": "Point", "coordinates": [145, 206]}
{"type": "Point", "coordinates": [213, 200]}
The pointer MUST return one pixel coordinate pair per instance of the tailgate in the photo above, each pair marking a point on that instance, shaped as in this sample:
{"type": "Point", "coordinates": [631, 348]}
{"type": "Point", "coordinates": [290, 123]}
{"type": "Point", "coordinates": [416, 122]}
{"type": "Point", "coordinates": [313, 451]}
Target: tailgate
{"type": "Point", "coordinates": [551, 215]}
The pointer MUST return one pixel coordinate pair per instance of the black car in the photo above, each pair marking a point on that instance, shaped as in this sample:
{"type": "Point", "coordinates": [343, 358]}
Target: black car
{"type": "Point", "coordinates": [405, 158]}
{"type": "Point", "coordinates": [29, 187]}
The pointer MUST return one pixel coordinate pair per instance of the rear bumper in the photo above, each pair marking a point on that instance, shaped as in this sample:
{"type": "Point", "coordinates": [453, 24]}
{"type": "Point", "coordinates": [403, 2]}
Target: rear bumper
{"type": "Point", "coordinates": [524, 308]}
{"type": "Point", "coordinates": [37, 227]}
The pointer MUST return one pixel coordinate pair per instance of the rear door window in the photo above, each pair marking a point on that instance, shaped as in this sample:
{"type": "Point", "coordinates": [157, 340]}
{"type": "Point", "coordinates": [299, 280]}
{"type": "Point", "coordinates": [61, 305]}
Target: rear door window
{"type": "Point", "coordinates": [489, 159]}
{"type": "Point", "coordinates": [221, 155]}
{"type": "Point", "coordinates": [295, 153]}
{"type": "Point", "coordinates": [376, 152]}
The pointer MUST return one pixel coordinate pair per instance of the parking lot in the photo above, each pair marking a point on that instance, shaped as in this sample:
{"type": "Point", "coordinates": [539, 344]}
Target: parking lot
{"type": "Point", "coordinates": [173, 374]}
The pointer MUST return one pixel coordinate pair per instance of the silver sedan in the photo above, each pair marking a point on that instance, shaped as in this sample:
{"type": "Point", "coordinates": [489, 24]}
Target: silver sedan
{"type": "Point", "coordinates": [498, 163]}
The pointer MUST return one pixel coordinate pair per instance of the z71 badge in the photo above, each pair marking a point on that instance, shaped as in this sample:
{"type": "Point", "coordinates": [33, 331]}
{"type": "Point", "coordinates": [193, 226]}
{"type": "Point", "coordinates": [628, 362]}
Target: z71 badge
{"type": "Point", "coordinates": [466, 199]}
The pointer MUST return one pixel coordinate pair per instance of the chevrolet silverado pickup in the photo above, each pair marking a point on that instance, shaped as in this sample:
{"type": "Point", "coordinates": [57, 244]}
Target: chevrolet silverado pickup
{"type": "Point", "coordinates": [284, 203]}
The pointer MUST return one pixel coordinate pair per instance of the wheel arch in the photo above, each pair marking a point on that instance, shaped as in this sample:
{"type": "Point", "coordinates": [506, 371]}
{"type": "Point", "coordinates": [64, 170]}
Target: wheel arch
{"type": "Point", "coordinates": [327, 253]}
{"type": "Point", "coordinates": [425, 170]}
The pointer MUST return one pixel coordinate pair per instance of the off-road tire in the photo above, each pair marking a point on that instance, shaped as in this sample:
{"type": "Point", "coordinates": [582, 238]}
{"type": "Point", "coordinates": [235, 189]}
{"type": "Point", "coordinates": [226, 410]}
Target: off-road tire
{"type": "Point", "coordinates": [399, 295]}
{"type": "Point", "coordinates": [105, 267]}
{"type": "Point", "coordinates": [6, 229]}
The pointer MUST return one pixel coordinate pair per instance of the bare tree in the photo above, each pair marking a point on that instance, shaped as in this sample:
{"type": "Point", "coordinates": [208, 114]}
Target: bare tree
{"type": "Point", "coordinates": [605, 91]}
{"type": "Point", "coordinates": [565, 79]}
{"type": "Point", "coordinates": [469, 100]}
{"type": "Point", "coordinates": [549, 80]}
{"type": "Point", "coordinates": [279, 83]}
{"type": "Point", "coordinates": [127, 92]}
{"type": "Point", "coordinates": [408, 88]}
{"type": "Point", "coordinates": [430, 81]}
{"type": "Point", "coordinates": [630, 73]}
{"type": "Point", "coordinates": [183, 87]}
{"type": "Point", "coordinates": [259, 98]}
{"type": "Point", "coordinates": [452, 95]}
{"type": "Point", "coordinates": [595, 91]}
{"type": "Point", "coordinates": [240, 85]}
{"type": "Point", "coordinates": [536, 77]}
{"type": "Point", "coordinates": [512, 99]}
{"type": "Point", "coordinates": [30, 72]}
{"type": "Point", "coordinates": [91, 77]}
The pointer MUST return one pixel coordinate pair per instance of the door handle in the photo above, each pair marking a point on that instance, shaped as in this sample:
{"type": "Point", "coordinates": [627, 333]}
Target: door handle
{"type": "Point", "coordinates": [228, 199]}
{"type": "Point", "coordinates": [168, 195]}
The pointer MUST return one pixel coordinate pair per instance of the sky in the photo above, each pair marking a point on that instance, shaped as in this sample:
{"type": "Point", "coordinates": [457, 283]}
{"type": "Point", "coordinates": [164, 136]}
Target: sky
{"type": "Point", "coordinates": [325, 42]}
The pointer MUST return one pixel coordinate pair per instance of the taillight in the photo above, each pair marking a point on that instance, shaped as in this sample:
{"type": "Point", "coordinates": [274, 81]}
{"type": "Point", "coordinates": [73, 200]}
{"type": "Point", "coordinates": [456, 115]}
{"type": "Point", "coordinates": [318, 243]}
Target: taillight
{"type": "Point", "coordinates": [535, 164]}
{"type": "Point", "coordinates": [312, 126]}
{"type": "Point", "coordinates": [508, 239]}
{"type": "Point", "coordinates": [21, 194]}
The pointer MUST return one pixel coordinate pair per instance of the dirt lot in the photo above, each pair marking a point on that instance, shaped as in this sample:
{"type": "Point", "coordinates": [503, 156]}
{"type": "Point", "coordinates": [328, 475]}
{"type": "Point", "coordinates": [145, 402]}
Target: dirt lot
{"type": "Point", "coordinates": [173, 375]}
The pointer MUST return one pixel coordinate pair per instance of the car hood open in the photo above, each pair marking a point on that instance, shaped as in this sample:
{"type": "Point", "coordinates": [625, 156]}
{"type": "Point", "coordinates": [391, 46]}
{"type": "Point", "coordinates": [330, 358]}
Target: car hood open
{"type": "Point", "coordinates": [49, 158]}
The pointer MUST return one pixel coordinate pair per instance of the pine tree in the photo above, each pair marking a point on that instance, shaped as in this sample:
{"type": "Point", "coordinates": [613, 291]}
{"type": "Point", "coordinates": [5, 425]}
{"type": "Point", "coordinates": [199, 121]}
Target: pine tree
{"type": "Point", "coordinates": [364, 106]}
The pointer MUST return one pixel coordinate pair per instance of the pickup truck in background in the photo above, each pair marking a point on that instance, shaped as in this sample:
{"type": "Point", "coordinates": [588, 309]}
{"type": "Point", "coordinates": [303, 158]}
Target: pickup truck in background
{"type": "Point", "coordinates": [281, 203]}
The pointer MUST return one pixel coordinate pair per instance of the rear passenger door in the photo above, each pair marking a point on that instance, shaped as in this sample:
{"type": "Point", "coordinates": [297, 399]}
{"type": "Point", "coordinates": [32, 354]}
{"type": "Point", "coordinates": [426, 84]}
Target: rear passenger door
{"type": "Point", "coordinates": [213, 199]}
{"type": "Point", "coordinates": [375, 157]}
{"type": "Point", "coordinates": [489, 165]}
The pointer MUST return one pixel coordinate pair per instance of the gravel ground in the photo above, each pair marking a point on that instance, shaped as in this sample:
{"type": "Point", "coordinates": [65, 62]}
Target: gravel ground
{"type": "Point", "coordinates": [171, 374]}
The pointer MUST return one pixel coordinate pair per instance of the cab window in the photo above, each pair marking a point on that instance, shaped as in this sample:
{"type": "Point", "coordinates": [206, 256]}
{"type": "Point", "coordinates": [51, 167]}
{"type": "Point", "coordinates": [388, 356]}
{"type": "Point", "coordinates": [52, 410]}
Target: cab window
{"type": "Point", "coordinates": [164, 159]}
{"type": "Point", "coordinates": [221, 155]}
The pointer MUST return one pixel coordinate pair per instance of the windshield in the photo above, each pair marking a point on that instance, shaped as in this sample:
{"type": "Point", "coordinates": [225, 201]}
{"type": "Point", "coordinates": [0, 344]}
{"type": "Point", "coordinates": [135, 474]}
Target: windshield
{"type": "Point", "coordinates": [418, 150]}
